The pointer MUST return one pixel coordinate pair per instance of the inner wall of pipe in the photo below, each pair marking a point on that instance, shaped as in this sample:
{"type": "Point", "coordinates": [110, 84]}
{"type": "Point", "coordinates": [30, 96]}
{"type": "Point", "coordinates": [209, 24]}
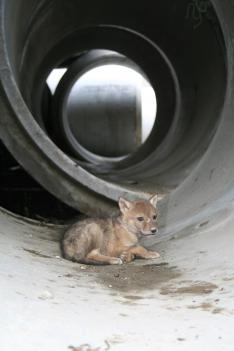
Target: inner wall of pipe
{"type": "Point", "coordinates": [183, 59]}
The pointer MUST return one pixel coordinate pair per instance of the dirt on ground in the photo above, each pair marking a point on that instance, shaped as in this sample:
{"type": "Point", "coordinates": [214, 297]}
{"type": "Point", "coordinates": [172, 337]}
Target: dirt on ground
{"type": "Point", "coordinates": [132, 277]}
{"type": "Point", "coordinates": [194, 288]}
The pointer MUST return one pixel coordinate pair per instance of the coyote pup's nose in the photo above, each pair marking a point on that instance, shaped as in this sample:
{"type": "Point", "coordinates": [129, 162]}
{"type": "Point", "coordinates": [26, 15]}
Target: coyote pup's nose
{"type": "Point", "coordinates": [154, 230]}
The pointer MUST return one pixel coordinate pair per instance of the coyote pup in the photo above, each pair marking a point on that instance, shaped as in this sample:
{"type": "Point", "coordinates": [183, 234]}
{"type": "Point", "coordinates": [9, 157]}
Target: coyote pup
{"type": "Point", "coordinates": [113, 240]}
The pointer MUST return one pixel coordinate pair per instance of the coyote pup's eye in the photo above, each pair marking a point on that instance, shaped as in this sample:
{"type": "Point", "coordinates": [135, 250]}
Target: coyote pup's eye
{"type": "Point", "coordinates": [154, 217]}
{"type": "Point", "coordinates": [140, 219]}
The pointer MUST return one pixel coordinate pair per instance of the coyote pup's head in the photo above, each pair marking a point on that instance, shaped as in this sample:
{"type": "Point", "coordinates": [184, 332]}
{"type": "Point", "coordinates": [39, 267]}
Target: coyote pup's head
{"type": "Point", "coordinates": [140, 217]}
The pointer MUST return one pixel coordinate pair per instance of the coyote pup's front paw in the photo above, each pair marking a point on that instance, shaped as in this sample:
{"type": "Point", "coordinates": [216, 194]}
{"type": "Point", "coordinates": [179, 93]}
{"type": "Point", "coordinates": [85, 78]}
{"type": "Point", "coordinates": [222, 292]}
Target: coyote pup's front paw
{"type": "Point", "coordinates": [152, 254]}
{"type": "Point", "coordinates": [127, 256]}
{"type": "Point", "coordinates": [116, 260]}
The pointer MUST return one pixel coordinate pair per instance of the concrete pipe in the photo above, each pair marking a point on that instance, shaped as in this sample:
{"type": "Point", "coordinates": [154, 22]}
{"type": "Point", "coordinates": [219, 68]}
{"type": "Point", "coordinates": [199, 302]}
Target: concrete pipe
{"type": "Point", "coordinates": [185, 301]}
{"type": "Point", "coordinates": [179, 56]}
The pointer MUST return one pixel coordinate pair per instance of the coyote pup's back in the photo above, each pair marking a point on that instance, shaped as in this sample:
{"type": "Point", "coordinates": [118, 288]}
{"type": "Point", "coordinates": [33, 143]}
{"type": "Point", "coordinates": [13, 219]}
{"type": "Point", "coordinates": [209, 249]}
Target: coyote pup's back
{"type": "Point", "coordinates": [113, 240]}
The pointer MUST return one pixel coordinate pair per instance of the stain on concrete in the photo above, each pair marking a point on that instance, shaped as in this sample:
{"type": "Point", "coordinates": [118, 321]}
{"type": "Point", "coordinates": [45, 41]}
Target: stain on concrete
{"type": "Point", "coordinates": [158, 264]}
{"type": "Point", "coordinates": [218, 310]}
{"type": "Point", "coordinates": [36, 253]}
{"type": "Point", "coordinates": [203, 224]}
{"type": "Point", "coordinates": [68, 275]}
{"type": "Point", "coordinates": [205, 306]}
{"type": "Point", "coordinates": [208, 307]}
{"type": "Point", "coordinates": [195, 288]}
{"type": "Point", "coordinates": [133, 277]}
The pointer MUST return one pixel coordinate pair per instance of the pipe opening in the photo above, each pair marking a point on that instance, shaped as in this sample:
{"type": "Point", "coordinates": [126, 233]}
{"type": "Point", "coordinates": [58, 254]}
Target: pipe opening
{"type": "Point", "coordinates": [107, 95]}
{"type": "Point", "coordinates": [109, 111]}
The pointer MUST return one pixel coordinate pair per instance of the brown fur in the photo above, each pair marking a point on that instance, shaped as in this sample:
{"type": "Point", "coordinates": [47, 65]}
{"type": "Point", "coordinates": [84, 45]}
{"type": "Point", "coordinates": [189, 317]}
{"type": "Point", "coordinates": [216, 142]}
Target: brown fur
{"type": "Point", "coordinates": [113, 240]}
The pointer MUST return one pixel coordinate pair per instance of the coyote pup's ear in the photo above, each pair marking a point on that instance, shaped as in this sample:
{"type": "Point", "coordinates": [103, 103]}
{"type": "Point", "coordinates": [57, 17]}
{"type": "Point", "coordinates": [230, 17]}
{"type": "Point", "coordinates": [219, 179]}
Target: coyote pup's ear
{"type": "Point", "coordinates": [153, 200]}
{"type": "Point", "coordinates": [124, 205]}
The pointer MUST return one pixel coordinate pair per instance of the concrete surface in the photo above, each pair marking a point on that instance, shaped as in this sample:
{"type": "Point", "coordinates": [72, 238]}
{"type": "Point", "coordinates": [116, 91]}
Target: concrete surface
{"type": "Point", "coordinates": [184, 301]}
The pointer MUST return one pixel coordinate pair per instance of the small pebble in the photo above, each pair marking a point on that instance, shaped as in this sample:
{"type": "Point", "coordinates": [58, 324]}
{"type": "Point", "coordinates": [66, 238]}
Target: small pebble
{"type": "Point", "coordinates": [110, 286]}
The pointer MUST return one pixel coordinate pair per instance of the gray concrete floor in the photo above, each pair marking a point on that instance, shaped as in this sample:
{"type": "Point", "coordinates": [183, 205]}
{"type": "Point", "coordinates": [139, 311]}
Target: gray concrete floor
{"type": "Point", "coordinates": [184, 301]}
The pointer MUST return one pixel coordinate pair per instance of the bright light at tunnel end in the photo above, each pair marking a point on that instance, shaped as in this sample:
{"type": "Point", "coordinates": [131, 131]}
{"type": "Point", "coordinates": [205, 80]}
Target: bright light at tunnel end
{"type": "Point", "coordinates": [122, 76]}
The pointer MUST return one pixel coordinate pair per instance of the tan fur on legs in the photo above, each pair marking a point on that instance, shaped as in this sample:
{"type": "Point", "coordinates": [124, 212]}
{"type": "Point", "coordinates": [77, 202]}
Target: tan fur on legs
{"type": "Point", "coordinates": [141, 252]}
{"type": "Point", "coordinates": [96, 256]}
